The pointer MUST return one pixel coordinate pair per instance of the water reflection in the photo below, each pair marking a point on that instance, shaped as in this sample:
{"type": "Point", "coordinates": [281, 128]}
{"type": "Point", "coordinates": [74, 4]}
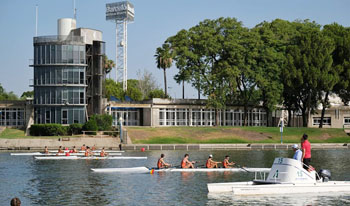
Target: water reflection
{"type": "Point", "coordinates": [70, 182]}
{"type": "Point", "coordinates": [296, 199]}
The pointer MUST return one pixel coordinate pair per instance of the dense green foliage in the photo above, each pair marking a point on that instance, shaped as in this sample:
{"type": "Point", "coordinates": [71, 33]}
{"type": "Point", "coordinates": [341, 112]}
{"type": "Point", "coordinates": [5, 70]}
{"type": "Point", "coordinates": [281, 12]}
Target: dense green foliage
{"type": "Point", "coordinates": [75, 128]}
{"type": "Point", "coordinates": [296, 64]}
{"type": "Point", "coordinates": [90, 125]}
{"type": "Point", "coordinates": [27, 94]}
{"type": "Point", "coordinates": [48, 130]}
{"type": "Point", "coordinates": [103, 121]}
{"type": "Point", "coordinates": [137, 90]}
{"type": "Point", "coordinates": [7, 95]}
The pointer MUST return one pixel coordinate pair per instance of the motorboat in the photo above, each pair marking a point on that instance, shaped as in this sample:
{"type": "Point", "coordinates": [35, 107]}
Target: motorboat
{"type": "Point", "coordinates": [287, 176]}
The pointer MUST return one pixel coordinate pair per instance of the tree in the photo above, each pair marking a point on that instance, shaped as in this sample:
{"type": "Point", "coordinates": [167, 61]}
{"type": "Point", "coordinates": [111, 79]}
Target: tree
{"type": "Point", "coordinates": [181, 45]}
{"type": "Point", "coordinates": [164, 59]}
{"type": "Point", "coordinates": [308, 58]}
{"type": "Point", "coordinates": [146, 83]}
{"type": "Point", "coordinates": [341, 58]}
{"type": "Point", "coordinates": [108, 64]}
{"type": "Point", "coordinates": [269, 62]}
{"type": "Point", "coordinates": [27, 94]}
{"type": "Point", "coordinates": [7, 95]}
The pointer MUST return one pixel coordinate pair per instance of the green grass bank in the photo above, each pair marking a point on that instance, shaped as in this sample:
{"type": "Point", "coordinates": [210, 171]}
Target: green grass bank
{"type": "Point", "coordinates": [232, 135]}
{"type": "Point", "coordinates": [10, 133]}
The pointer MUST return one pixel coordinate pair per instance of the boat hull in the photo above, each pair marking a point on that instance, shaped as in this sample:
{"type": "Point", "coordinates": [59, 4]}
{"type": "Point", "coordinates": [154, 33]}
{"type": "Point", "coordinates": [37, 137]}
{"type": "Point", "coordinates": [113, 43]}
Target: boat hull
{"type": "Point", "coordinates": [249, 188]}
{"type": "Point", "coordinates": [58, 154]}
{"type": "Point", "coordinates": [147, 170]}
{"type": "Point", "coordinates": [90, 158]}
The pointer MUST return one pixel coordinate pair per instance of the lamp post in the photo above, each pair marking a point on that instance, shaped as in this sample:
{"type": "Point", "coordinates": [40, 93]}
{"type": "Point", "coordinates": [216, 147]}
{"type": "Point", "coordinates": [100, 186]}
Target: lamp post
{"type": "Point", "coordinates": [121, 129]}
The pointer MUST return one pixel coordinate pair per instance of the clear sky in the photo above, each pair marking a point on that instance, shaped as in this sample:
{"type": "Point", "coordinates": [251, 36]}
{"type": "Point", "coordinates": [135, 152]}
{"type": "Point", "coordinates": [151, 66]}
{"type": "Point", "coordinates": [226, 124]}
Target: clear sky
{"type": "Point", "coordinates": [155, 21]}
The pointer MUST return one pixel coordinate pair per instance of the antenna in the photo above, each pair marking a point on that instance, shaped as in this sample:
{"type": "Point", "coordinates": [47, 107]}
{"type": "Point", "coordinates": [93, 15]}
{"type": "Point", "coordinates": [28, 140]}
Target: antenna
{"type": "Point", "coordinates": [74, 10]}
{"type": "Point", "coordinates": [36, 20]}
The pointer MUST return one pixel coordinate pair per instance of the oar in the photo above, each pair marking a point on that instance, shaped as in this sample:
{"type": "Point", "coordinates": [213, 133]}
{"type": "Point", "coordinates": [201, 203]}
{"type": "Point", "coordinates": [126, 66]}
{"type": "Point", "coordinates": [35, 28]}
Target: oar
{"type": "Point", "coordinates": [239, 166]}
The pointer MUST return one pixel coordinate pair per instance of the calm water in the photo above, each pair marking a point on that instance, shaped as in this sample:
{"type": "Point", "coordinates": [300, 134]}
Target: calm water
{"type": "Point", "coordinates": [70, 182]}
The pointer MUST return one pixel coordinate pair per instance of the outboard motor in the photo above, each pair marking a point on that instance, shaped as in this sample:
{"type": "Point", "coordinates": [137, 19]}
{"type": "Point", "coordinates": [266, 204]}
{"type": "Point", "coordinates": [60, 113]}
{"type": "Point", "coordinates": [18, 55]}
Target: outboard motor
{"type": "Point", "coordinates": [325, 175]}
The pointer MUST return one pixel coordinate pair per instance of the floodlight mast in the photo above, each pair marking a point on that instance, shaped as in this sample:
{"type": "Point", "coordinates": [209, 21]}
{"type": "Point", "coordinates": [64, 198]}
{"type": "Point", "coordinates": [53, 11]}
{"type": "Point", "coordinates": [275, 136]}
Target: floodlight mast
{"type": "Point", "coordinates": [121, 13]}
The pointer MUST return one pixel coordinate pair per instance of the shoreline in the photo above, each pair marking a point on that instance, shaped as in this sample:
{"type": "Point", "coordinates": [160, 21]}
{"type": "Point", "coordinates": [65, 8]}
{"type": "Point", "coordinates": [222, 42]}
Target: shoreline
{"type": "Point", "coordinates": [113, 144]}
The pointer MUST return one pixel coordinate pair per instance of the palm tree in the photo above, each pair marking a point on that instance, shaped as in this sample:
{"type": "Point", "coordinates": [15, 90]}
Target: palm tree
{"type": "Point", "coordinates": [108, 64]}
{"type": "Point", "coordinates": [164, 60]}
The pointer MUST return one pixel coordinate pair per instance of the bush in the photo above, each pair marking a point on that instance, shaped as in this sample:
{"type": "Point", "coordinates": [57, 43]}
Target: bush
{"type": "Point", "coordinates": [103, 122]}
{"type": "Point", "coordinates": [90, 125]}
{"type": "Point", "coordinates": [48, 130]}
{"type": "Point", "coordinates": [75, 128]}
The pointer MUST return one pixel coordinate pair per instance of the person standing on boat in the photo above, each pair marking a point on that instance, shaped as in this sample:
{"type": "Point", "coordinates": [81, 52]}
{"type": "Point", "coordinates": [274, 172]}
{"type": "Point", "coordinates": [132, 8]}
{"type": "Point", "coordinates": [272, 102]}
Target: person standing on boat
{"type": "Point", "coordinates": [211, 163]}
{"type": "Point", "coordinates": [185, 163]}
{"type": "Point", "coordinates": [306, 149]}
{"type": "Point", "coordinates": [297, 152]}
{"type": "Point", "coordinates": [161, 163]}
{"type": "Point", "coordinates": [226, 163]}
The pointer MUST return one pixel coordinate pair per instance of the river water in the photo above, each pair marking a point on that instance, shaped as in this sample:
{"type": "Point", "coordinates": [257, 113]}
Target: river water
{"type": "Point", "coordinates": [71, 182]}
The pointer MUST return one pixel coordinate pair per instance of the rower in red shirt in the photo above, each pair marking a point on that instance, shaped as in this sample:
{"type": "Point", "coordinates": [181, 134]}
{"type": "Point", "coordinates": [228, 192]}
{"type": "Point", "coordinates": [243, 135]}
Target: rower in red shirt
{"type": "Point", "coordinates": [226, 163]}
{"type": "Point", "coordinates": [161, 163]}
{"type": "Point", "coordinates": [185, 163]}
{"type": "Point", "coordinates": [211, 163]}
{"type": "Point", "coordinates": [306, 149]}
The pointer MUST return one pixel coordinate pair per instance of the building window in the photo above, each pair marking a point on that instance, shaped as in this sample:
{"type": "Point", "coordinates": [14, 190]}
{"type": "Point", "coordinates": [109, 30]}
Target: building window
{"type": "Point", "coordinates": [346, 120]}
{"type": "Point", "coordinates": [64, 117]}
{"type": "Point", "coordinates": [326, 121]}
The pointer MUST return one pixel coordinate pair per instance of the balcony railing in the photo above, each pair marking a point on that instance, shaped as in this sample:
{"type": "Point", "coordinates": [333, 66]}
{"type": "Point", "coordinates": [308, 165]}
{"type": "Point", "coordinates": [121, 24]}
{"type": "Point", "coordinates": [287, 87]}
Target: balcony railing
{"type": "Point", "coordinates": [59, 39]}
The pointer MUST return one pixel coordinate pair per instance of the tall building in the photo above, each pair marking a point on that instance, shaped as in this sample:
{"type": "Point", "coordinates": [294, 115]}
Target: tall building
{"type": "Point", "coordinates": [68, 74]}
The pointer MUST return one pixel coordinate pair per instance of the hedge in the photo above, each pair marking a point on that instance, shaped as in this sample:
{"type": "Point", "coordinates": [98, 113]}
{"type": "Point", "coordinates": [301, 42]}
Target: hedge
{"type": "Point", "coordinates": [48, 130]}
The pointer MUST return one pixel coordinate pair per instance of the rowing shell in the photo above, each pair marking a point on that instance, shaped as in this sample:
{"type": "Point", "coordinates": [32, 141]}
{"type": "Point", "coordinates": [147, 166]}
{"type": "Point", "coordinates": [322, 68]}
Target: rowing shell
{"type": "Point", "coordinates": [82, 151]}
{"type": "Point", "coordinates": [92, 158]}
{"type": "Point", "coordinates": [57, 154]}
{"type": "Point", "coordinates": [147, 170]}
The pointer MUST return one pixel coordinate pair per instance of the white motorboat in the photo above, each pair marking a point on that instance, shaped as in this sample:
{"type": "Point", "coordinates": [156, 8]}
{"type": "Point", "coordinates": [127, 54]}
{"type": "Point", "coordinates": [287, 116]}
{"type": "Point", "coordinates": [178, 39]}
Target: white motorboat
{"type": "Point", "coordinates": [147, 170]}
{"type": "Point", "coordinates": [287, 176]}
{"type": "Point", "coordinates": [82, 158]}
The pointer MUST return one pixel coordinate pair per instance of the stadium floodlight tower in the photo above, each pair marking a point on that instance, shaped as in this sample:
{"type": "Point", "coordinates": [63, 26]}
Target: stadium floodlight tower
{"type": "Point", "coordinates": [121, 13]}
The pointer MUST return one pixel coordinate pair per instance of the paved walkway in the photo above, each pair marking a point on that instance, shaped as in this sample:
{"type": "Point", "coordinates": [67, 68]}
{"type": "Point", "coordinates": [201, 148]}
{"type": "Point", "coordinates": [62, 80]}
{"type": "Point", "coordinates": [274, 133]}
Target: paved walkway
{"type": "Point", "coordinates": [54, 143]}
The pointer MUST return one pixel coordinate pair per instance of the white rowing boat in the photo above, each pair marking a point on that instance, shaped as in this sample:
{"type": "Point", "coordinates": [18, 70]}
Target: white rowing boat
{"type": "Point", "coordinates": [287, 176]}
{"type": "Point", "coordinates": [58, 154]}
{"type": "Point", "coordinates": [92, 158]}
{"type": "Point", "coordinates": [82, 151]}
{"type": "Point", "coordinates": [147, 170]}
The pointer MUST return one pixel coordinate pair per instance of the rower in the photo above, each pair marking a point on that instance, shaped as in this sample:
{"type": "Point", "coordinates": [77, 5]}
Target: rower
{"type": "Point", "coordinates": [103, 153]}
{"type": "Point", "coordinates": [185, 163]}
{"type": "Point", "coordinates": [59, 150]}
{"type": "Point", "coordinates": [46, 150]}
{"type": "Point", "coordinates": [83, 148]}
{"type": "Point", "coordinates": [210, 163]}
{"type": "Point", "coordinates": [93, 148]}
{"type": "Point", "coordinates": [161, 163]}
{"type": "Point", "coordinates": [87, 152]}
{"type": "Point", "coordinates": [226, 163]}
{"type": "Point", "coordinates": [74, 150]}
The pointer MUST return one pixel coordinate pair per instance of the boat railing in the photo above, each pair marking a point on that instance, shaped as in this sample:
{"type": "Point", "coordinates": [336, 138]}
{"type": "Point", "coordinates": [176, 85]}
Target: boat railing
{"type": "Point", "coordinates": [260, 176]}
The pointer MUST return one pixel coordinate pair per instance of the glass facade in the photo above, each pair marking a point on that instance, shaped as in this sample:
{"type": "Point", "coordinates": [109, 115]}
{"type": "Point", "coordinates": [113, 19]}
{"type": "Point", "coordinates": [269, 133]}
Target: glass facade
{"type": "Point", "coordinates": [59, 54]}
{"type": "Point", "coordinates": [206, 117]}
{"type": "Point", "coordinates": [59, 83]}
{"type": "Point", "coordinates": [12, 117]}
{"type": "Point", "coordinates": [131, 117]}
